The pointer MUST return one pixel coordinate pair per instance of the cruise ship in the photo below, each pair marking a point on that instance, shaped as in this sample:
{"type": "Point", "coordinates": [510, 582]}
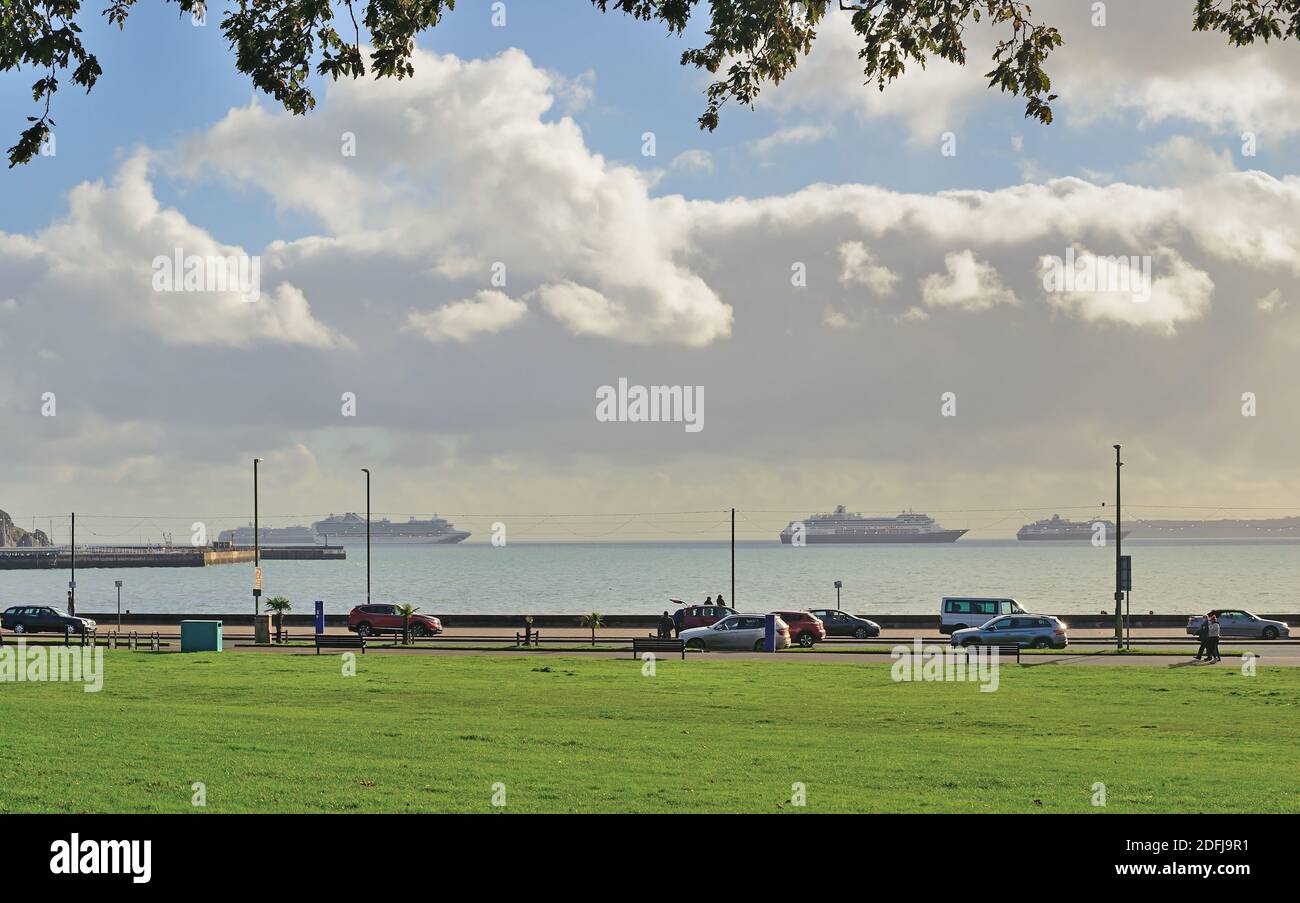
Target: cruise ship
{"type": "Point", "coordinates": [843, 526]}
{"type": "Point", "coordinates": [1054, 528]}
{"type": "Point", "coordinates": [242, 537]}
{"type": "Point", "coordinates": [351, 528]}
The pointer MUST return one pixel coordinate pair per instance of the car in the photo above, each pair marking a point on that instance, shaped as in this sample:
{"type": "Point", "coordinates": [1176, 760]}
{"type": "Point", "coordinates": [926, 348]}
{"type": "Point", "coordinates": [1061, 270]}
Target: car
{"type": "Point", "coordinates": [1239, 622]}
{"type": "Point", "coordinates": [960, 612]}
{"type": "Point", "coordinates": [1024, 629]}
{"type": "Point", "coordinates": [841, 623]}
{"type": "Point", "coordinates": [806, 629]}
{"type": "Point", "coordinates": [736, 631]}
{"type": "Point", "coordinates": [368, 620]}
{"type": "Point", "coordinates": [43, 619]}
{"type": "Point", "coordinates": [700, 616]}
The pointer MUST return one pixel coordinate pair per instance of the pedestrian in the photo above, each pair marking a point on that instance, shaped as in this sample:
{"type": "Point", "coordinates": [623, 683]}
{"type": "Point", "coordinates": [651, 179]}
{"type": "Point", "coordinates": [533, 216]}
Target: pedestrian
{"type": "Point", "coordinates": [708, 600]}
{"type": "Point", "coordinates": [722, 602]}
{"type": "Point", "coordinates": [677, 622]}
{"type": "Point", "coordinates": [1203, 634]}
{"type": "Point", "coordinates": [666, 625]}
{"type": "Point", "coordinates": [1214, 640]}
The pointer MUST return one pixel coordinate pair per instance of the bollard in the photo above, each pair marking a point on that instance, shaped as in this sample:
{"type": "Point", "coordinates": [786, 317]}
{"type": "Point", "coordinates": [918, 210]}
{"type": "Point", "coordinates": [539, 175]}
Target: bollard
{"type": "Point", "coordinates": [153, 641]}
{"type": "Point", "coordinates": [131, 639]}
{"type": "Point", "coordinates": [112, 639]}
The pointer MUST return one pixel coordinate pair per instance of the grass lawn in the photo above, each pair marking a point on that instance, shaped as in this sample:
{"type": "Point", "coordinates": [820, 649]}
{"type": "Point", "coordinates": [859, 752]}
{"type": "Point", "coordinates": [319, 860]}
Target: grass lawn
{"type": "Point", "coordinates": [289, 733]}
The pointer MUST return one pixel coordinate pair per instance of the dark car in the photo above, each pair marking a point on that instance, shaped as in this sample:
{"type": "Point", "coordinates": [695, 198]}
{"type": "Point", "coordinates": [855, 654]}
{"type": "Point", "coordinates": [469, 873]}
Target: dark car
{"type": "Point", "coordinates": [806, 628]}
{"type": "Point", "coordinates": [700, 616]}
{"type": "Point", "coordinates": [841, 623]}
{"type": "Point", "coordinates": [43, 619]}
{"type": "Point", "coordinates": [368, 620]}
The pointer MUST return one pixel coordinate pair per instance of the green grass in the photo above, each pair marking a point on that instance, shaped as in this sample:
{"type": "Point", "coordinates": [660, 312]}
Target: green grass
{"type": "Point", "coordinates": [289, 733]}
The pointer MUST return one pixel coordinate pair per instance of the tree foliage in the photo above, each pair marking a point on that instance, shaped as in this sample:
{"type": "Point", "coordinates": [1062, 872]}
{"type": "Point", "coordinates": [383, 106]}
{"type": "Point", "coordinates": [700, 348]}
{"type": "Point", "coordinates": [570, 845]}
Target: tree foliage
{"type": "Point", "coordinates": [280, 44]}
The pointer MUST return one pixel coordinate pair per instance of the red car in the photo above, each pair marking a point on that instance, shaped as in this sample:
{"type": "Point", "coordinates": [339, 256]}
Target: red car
{"type": "Point", "coordinates": [700, 616]}
{"type": "Point", "coordinates": [368, 620]}
{"type": "Point", "coordinates": [805, 627]}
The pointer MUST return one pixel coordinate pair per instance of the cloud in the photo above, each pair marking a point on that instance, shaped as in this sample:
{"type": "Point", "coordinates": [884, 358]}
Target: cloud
{"type": "Point", "coordinates": [1181, 294]}
{"type": "Point", "coordinates": [98, 259]}
{"type": "Point", "coordinates": [442, 161]}
{"type": "Point", "coordinates": [859, 267]}
{"type": "Point", "coordinates": [460, 321]}
{"type": "Point", "coordinates": [793, 136]}
{"type": "Point", "coordinates": [693, 162]}
{"type": "Point", "coordinates": [968, 284]}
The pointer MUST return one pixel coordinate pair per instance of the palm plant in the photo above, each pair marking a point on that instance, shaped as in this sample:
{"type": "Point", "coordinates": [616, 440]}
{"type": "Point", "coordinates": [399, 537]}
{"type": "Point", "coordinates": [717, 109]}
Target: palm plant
{"type": "Point", "coordinates": [279, 605]}
{"type": "Point", "coordinates": [406, 609]}
{"type": "Point", "coordinates": [595, 620]}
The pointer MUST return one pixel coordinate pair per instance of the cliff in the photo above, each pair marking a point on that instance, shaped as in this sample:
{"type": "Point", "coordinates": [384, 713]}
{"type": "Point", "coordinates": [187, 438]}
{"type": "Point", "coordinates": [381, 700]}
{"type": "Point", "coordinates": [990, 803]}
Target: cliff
{"type": "Point", "coordinates": [12, 536]}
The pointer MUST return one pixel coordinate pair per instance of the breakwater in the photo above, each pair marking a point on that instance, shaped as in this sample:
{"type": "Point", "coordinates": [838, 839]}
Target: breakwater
{"type": "Point", "coordinates": [156, 557]}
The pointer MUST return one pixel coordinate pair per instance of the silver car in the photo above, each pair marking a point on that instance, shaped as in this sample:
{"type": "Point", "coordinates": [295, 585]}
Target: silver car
{"type": "Point", "coordinates": [737, 632]}
{"type": "Point", "coordinates": [1036, 631]}
{"type": "Point", "coordinates": [1238, 622]}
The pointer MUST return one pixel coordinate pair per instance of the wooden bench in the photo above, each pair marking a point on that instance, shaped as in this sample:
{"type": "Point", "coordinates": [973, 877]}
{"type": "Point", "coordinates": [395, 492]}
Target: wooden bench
{"type": "Point", "coordinates": [1011, 650]}
{"type": "Point", "coordinates": [340, 641]}
{"type": "Point", "coordinates": [653, 644]}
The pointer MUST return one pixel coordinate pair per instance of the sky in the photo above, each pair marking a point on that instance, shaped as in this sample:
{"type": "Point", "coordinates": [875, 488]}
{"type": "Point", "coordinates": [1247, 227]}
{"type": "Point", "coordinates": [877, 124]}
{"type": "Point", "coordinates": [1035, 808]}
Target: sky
{"type": "Point", "coordinates": [853, 279]}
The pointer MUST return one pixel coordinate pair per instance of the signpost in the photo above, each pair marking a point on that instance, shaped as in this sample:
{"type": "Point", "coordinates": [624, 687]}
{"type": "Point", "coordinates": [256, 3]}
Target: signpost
{"type": "Point", "coordinates": [320, 616]}
{"type": "Point", "coordinates": [118, 584]}
{"type": "Point", "coordinates": [1126, 584]}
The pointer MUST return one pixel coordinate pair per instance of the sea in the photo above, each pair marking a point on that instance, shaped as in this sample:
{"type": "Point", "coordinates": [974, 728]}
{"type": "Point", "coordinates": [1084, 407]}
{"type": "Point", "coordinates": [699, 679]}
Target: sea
{"type": "Point", "coordinates": [1169, 577]}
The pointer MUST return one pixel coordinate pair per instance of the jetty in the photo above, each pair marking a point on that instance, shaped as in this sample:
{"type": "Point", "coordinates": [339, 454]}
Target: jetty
{"type": "Point", "coordinates": [60, 557]}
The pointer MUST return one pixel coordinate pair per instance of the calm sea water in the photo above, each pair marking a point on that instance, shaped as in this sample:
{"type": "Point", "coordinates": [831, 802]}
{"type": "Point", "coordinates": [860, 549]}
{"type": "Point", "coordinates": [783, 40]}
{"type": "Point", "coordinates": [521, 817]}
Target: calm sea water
{"type": "Point", "coordinates": [1168, 577]}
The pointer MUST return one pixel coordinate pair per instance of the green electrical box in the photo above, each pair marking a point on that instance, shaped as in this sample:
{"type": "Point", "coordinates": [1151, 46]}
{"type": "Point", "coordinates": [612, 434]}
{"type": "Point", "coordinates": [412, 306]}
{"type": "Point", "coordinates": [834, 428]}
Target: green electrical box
{"type": "Point", "coordinates": [200, 636]}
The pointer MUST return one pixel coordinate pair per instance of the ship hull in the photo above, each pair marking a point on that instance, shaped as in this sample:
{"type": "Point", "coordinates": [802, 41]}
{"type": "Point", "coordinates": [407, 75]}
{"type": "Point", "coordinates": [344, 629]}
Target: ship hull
{"type": "Point", "coordinates": [1080, 536]}
{"type": "Point", "coordinates": [868, 539]}
{"type": "Point", "coordinates": [446, 539]}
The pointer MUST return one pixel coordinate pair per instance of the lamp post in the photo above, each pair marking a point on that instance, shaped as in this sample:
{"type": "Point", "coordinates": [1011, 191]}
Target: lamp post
{"type": "Point", "coordinates": [118, 584]}
{"type": "Point", "coordinates": [72, 581]}
{"type": "Point", "coordinates": [366, 471]}
{"type": "Point", "coordinates": [257, 543]}
{"type": "Point", "coordinates": [1119, 533]}
{"type": "Point", "coordinates": [838, 586]}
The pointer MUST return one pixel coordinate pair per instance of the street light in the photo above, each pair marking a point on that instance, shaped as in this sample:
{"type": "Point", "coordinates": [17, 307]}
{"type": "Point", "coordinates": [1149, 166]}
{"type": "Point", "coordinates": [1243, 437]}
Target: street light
{"type": "Point", "coordinates": [838, 587]}
{"type": "Point", "coordinates": [1119, 534]}
{"type": "Point", "coordinates": [366, 471]}
{"type": "Point", "coordinates": [118, 584]}
{"type": "Point", "coordinates": [257, 548]}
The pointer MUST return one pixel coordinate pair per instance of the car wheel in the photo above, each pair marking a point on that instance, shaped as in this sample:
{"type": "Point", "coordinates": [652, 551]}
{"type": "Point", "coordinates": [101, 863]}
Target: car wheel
{"type": "Point", "coordinates": [1042, 643]}
{"type": "Point", "coordinates": [805, 640]}
{"type": "Point", "coordinates": [19, 628]}
{"type": "Point", "coordinates": [697, 645]}
{"type": "Point", "coordinates": [1270, 633]}
{"type": "Point", "coordinates": [860, 633]}
{"type": "Point", "coordinates": [364, 629]}
{"type": "Point", "coordinates": [758, 646]}
{"type": "Point", "coordinates": [420, 630]}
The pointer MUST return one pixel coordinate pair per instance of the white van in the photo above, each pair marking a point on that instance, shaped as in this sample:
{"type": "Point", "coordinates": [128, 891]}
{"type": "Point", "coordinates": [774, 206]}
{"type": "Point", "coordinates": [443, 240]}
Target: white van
{"type": "Point", "coordinates": [957, 612]}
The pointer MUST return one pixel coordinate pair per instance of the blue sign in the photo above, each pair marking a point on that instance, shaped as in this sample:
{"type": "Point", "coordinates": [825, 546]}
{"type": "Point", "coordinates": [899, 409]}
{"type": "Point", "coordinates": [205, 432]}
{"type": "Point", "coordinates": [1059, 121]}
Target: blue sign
{"type": "Point", "coordinates": [769, 633]}
{"type": "Point", "coordinates": [320, 616]}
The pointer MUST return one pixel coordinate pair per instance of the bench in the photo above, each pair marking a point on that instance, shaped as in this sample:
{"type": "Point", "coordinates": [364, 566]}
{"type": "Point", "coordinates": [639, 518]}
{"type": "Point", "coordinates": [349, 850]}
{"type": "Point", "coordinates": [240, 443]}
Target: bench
{"type": "Point", "coordinates": [1009, 651]}
{"type": "Point", "coordinates": [340, 641]}
{"type": "Point", "coordinates": [654, 644]}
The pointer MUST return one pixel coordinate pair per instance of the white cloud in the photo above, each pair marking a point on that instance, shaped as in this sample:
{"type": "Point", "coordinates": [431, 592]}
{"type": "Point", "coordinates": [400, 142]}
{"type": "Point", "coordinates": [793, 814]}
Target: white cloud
{"type": "Point", "coordinates": [859, 267]}
{"type": "Point", "coordinates": [693, 162]}
{"type": "Point", "coordinates": [793, 136]}
{"type": "Point", "coordinates": [1180, 295]}
{"type": "Point", "coordinates": [443, 161]}
{"type": "Point", "coordinates": [967, 284]}
{"type": "Point", "coordinates": [488, 312]}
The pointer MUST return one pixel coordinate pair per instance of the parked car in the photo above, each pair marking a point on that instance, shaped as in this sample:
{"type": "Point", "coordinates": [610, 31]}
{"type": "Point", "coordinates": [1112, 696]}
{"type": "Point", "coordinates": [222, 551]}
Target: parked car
{"type": "Point", "coordinates": [1036, 631]}
{"type": "Point", "coordinates": [840, 623]}
{"type": "Point", "coordinates": [700, 616]}
{"type": "Point", "coordinates": [806, 629]}
{"type": "Point", "coordinates": [745, 632]}
{"type": "Point", "coordinates": [43, 619]}
{"type": "Point", "coordinates": [368, 620]}
{"type": "Point", "coordinates": [1238, 622]}
{"type": "Point", "coordinates": [960, 612]}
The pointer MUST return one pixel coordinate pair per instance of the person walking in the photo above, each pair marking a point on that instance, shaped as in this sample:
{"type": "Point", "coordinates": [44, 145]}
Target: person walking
{"type": "Point", "coordinates": [666, 626]}
{"type": "Point", "coordinates": [1203, 634]}
{"type": "Point", "coordinates": [1214, 640]}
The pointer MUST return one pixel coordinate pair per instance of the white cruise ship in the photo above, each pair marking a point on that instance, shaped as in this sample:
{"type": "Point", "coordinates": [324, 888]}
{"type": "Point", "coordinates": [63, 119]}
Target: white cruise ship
{"type": "Point", "coordinates": [843, 526]}
{"type": "Point", "coordinates": [350, 529]}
